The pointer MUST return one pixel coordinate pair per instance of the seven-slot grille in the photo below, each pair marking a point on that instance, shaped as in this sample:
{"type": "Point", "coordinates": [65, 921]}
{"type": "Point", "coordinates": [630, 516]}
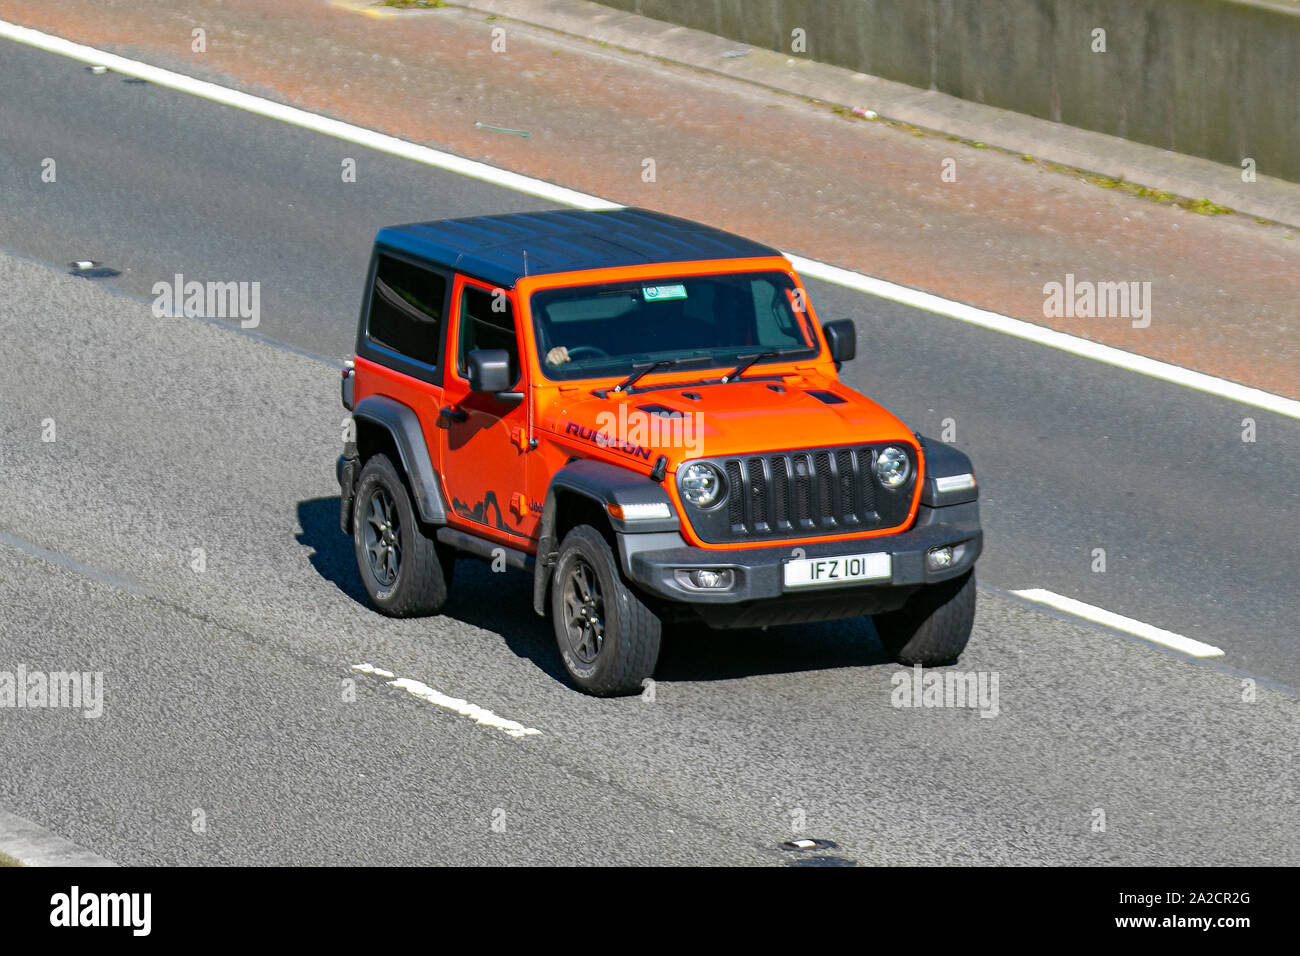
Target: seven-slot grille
{"type": "Point", "coordinates": [817, 491]}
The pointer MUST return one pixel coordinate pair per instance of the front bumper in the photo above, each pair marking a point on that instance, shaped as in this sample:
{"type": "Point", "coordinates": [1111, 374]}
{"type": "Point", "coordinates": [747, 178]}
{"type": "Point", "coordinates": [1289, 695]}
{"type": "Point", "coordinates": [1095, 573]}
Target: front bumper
{"type": "Point", "coordinates": [759, 595]}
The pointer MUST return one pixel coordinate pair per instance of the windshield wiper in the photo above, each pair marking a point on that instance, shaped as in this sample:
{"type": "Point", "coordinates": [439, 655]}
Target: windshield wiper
{"type": "Point", "coordinates": [747, 360]}
{"type": "Point", "coordinates": [640, 371]}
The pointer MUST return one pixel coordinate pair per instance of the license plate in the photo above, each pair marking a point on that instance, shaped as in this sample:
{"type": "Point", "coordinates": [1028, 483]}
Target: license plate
{"type": "Point", "coordinates": [838, 569]}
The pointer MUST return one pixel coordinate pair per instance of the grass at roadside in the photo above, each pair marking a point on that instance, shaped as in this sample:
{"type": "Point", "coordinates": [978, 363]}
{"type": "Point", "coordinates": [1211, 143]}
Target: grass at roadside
{"type": "Point", "coordinates": [7, 860]}
{"type": "Point", "coordinates": [1202, 206]}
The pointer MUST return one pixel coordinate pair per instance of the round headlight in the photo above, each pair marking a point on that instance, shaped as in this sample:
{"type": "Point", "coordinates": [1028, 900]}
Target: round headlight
{"type": "Point", "coordinates": [701, 484]}
{"type": "Point", "coordinates": [893, 467]}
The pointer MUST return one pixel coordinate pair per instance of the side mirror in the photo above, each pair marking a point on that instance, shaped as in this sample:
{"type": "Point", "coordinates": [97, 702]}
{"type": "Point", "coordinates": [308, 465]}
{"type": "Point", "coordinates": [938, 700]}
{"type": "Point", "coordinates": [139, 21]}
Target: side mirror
{"type": "Point", "coordinates": [842, 339]}
{"type": "Point", "coordinates": [489, 370]}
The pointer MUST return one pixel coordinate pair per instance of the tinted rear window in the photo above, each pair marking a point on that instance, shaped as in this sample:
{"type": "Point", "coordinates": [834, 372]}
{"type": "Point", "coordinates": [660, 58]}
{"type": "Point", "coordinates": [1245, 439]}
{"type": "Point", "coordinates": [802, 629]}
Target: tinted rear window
{"type": "Point", "coordinates": [406, 309]}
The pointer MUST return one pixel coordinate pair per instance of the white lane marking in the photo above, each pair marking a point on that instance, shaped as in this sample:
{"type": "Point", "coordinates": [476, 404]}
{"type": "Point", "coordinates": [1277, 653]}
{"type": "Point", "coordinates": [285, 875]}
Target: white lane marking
{"type": "Point", "coordinates": [480, 715]}
{"type": "Point", "coordinates": [881, 288]}
{"type": "Point", "coordinates": [1148, 632]}
{"type": "Point", "coordinates": [1150, 367]}
{"type": "Point", "coordinates": [311, 121]}
{"type": "Point", "coordinates": [372, 669]}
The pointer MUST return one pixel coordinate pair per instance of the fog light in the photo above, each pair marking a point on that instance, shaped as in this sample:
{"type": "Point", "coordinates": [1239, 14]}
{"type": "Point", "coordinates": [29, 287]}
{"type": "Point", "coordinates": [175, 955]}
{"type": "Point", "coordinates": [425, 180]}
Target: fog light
{"type": "Point", "coordinates": [711, 579]}
{"type": "Point", "coordinates": [939, 558]}
{"type": "Point", "coordinates": [707, 579]}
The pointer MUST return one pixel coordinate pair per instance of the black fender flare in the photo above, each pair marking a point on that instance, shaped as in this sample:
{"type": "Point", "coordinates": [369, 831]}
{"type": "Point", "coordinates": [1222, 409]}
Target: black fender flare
{"type": "Point", "coordinates": [604, 484]}
{"type": "Point", "coordinates": [944, 461]}
{"type": "Point", "coordinates": [401, 422]}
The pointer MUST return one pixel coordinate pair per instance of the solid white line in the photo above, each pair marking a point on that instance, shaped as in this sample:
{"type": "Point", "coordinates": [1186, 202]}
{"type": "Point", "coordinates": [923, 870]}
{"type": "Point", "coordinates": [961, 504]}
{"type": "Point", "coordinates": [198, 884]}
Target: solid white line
{"type": "Point", "coordinates": [1155, 635]}
{"type": "Point", "coordinates": [480, 715]}
{"type": "Point", "coordinates": [312, 121]}
{"type": "Point", "coordinates": [881, 288]}
{"type": "Point", "coordinates": [1049, 337]}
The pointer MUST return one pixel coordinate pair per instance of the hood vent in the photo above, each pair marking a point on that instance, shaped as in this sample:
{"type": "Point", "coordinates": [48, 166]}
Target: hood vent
{"type": "Point", "coordinates": [663, 411]}
{"type": "Point", "coordinates": [825, 397]}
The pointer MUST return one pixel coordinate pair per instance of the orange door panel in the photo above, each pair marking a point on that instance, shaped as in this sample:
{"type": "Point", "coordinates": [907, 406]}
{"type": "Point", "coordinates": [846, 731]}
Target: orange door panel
{"type": "Point", "coordinates": [483, 439]}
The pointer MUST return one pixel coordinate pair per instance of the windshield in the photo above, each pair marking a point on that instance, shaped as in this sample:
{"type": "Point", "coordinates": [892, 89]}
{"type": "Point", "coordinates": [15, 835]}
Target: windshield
{"type": "Point", "coordinates": [602, 330]}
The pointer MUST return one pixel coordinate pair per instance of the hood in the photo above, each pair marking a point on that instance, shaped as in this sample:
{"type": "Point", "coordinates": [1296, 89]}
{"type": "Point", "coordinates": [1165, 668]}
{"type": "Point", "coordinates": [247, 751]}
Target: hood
{"type": "Point", "coordinates": [744, 417]}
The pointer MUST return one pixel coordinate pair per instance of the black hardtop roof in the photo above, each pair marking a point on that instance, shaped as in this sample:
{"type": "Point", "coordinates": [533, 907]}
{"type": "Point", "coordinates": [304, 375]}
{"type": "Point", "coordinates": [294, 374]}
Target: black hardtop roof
{"type": "Point", "coordinates": [502, 249]}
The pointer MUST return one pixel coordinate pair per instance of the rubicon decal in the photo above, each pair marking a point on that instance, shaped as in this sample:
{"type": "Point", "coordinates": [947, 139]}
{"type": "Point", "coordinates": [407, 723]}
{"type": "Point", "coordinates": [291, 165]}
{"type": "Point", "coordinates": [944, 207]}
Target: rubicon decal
{"type": "Point", "coordinates": [655, 425]}
{"type": "Point", "coordinates": [603, 440]}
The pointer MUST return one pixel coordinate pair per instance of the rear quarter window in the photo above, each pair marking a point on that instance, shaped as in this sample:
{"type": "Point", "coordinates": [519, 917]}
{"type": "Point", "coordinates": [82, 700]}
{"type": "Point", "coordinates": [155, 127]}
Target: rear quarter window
{"type": "Point", "coordinates": [407, 306]}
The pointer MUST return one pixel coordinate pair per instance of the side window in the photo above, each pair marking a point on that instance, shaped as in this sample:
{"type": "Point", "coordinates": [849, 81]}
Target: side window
{"type": "Point", "coordinates": [487, 321]}
{"type": "Point", "coordinates": [406, 307]}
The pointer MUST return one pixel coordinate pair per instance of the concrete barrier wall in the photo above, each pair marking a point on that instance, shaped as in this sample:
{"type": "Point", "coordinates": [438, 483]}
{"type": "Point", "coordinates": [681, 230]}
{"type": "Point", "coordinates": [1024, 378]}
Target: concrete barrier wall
{"type": "Point", "coordinates": [1212, 78]}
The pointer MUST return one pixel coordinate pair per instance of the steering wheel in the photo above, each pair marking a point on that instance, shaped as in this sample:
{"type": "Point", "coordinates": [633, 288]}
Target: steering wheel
{"type": "Point", "coordinates": [576, 350]}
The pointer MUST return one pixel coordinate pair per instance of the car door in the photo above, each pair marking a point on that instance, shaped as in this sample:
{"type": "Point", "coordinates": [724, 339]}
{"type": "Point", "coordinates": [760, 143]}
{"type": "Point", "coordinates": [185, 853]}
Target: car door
{"type": "Point", "coordinates": [485, 436]}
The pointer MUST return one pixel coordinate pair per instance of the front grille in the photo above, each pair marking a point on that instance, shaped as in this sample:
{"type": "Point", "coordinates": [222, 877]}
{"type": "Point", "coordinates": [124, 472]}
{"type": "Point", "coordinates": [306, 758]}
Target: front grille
{"type": "Point", "coordinates": [735, 507]}
{"type": "Point", "coordinates": [833, 491]}
{"type": "Point", "coordinates": [780, 492]}
{"type": "Point", "coordinates": [760, 492]}
{"type": "Point", "coordinates": [793, 494]}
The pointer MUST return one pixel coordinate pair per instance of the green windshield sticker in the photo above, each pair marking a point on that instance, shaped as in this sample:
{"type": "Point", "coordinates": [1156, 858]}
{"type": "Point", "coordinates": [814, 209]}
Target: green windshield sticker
{"type": "Point", "coordinates": [656, 293]}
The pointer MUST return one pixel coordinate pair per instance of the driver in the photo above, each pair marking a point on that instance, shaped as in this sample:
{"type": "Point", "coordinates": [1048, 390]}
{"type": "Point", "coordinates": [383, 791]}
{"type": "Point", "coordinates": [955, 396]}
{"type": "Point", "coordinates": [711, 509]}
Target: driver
{"type": "Point", "coordinates": [557, 356]}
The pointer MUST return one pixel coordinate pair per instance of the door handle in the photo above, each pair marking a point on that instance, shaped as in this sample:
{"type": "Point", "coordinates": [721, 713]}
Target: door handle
{"type": "Point", "coordinates": [450, 413]}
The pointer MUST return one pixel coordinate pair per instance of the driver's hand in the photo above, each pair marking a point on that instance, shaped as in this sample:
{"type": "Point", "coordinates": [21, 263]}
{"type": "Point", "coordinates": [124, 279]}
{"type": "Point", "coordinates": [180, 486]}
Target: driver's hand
{"type": "Point", "coordinates": [557, 356]}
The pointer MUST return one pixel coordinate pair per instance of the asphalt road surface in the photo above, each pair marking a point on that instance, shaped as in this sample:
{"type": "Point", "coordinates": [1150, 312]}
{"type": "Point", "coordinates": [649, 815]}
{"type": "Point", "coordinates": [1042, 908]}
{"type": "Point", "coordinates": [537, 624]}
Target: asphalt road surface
{"type": "Point", "coordinates": [227, 694]}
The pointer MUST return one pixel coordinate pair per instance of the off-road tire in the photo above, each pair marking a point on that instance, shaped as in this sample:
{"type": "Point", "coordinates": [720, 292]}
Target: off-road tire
{"type": "Point", "coordinates": [631, 632]}
{"type": "Point", "coordinates": [421, 575]}
{"type": "Point", "coordinates": [933, 627]}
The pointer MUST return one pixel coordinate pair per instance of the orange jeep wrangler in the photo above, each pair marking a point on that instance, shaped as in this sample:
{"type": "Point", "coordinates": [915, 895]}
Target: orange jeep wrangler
{"type": "Point", "coordinates": [644, 414]}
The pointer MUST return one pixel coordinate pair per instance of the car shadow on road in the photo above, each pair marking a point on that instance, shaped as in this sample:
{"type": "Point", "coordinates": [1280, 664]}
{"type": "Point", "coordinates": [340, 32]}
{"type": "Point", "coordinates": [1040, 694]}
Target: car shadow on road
{"type": "Point", "coordinates": [696, 653]}
{"type": "Point", "coordinates": [497, 602]}
{"type": "Point", "coordinates": [331, 550]}
{"type": "Point", "coordinates": [503, 604]}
